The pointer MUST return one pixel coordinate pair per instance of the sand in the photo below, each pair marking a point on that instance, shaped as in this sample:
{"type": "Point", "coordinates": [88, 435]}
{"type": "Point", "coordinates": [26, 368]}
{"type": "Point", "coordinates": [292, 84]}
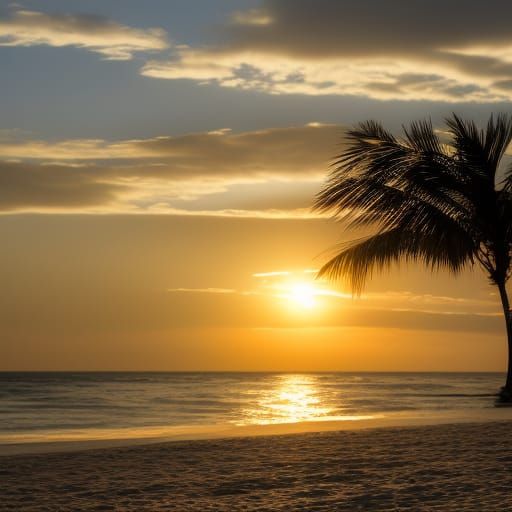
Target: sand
{"type": "Point", "coordinates": [460, 467]}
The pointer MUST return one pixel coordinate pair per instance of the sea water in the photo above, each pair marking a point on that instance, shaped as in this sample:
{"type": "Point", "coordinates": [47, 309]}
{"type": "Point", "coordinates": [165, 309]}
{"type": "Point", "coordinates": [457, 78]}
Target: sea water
{"type": "Point", "coordinates": [67, 405]}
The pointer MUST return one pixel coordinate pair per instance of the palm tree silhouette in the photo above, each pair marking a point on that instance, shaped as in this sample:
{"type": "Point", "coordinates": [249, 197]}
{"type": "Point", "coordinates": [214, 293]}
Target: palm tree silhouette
{"type": "Point", "coordinates": [441, 204]}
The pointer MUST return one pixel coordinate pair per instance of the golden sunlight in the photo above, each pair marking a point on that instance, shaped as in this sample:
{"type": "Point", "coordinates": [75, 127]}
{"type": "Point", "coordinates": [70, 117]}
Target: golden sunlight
{"type": "Point", "coordinates": [298, 290]}
{"type": "Point", "coordinates": [303, 295]}
{"type": "Point", "coordinates": [292, 399]}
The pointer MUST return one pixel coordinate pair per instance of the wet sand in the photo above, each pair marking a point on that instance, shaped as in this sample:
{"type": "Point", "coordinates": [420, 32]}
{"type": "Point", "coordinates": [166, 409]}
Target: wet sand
{"type": "Point", "coordinates": [459, 467]}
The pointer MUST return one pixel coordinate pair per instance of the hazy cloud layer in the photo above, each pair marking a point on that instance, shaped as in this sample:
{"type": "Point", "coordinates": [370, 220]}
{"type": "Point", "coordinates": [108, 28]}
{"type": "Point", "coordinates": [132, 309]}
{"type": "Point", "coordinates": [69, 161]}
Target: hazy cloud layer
{"type": "Point", "coordinates": [108, 38]}
{"type": "Point", "coordinates": [213, 173]}
{"type": "Point", "coordinates": [281, 291]}
{"type": "Point", "coordinates": [27, 186]}
{"type": "Point", "coordinates": [437, 50]}
{"type": "Point", "coordinates": [258, 310]}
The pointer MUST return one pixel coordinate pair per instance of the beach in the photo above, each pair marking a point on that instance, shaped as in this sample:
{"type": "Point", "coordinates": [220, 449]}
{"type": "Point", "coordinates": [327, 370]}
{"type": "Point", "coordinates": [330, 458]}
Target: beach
{"type": "Point", "coordinates": [453, 467]}
{"type": "Point", "coordinates": [257, 256]}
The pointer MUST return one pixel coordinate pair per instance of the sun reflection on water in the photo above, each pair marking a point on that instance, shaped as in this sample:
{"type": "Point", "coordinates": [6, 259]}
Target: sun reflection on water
{"type": "Point", "coordinates": [293, 399]}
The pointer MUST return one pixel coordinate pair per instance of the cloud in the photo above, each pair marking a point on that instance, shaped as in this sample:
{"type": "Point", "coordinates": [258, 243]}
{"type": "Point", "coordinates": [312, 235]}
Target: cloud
{"type": "Point", "coordinates": [266, 173]}
{"type": "Point", "coordinates": [278, 288]}
{"type": "Point", "coordinates": [201, 290]}
{"type": "Point", "coordinates": [281, 281]}
{"type": "Point", "coordinates": [32, 187]}
{"type": "Point", "coordinates": [272, 274]}
{"type": "Point", "coordinates": [386, 50]}
{"type": "Point", "coordinates": [274, 151]}
{"type": "Point", "coordinates": [271, 305]}
{"type": "Point", "coordinates": [108, 38]}
{"type": "Point", "coordinates": [251, 17]}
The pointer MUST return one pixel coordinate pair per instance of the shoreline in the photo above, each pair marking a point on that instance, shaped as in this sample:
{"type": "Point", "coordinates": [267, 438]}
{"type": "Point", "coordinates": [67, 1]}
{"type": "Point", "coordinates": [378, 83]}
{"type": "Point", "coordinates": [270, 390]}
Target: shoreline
{"type": "Point", "coordinates": [449, 467]}
{"type": "Point", "coordinates": [112, 438]}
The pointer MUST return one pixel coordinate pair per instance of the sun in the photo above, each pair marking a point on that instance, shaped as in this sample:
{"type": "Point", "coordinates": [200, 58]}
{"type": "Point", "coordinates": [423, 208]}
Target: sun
{"type": "Point", "coordinates": [303, 295]}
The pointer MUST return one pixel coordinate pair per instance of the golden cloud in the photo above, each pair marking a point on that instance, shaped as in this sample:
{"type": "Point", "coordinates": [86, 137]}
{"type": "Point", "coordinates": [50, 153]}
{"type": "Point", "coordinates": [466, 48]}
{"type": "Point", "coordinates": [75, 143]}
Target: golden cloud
{"type": "Point", "coordinates": [358, 47]}
{"type": "Point", "coordinates": [112, 40]}
{"type": "Point", "coordinates": [266, 173]}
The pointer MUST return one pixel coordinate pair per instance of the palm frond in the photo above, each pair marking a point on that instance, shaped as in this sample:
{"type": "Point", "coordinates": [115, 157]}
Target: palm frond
{"type": "Point", "coordinates": [379, 178]}
{"type": "Point", "coordinates": [420, 196]}
{"type": "Point", "coordinates": [497, 139]}
{"type": "Point", "coordinates": [481, 151]}
{"type": "Point", "coordinates": [357, 260]}
{"type": "Point", "coordinates": [422, 137]}
{"type": "Point", "coordinates": [506, 183]}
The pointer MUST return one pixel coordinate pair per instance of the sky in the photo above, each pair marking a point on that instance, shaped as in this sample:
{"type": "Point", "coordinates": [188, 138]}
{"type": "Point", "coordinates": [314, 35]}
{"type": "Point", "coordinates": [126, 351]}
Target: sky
{"type": "Point", "coordinates": [159, 160]}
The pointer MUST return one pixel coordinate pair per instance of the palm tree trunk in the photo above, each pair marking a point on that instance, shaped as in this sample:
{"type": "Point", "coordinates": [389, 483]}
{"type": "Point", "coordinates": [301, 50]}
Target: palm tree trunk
{"type": "Point", "coordinates": [506, 392]}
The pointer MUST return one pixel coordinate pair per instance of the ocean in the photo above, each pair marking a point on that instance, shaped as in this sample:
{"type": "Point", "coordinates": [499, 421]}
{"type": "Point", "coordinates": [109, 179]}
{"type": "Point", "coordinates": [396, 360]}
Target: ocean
{"type": "Point", "coordinates": [47, 406]}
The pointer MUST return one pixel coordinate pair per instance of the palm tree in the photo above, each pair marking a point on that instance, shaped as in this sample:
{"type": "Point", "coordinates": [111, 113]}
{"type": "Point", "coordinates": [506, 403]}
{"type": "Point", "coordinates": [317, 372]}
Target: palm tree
{"type": "Point", "coordinates": [440, 203]}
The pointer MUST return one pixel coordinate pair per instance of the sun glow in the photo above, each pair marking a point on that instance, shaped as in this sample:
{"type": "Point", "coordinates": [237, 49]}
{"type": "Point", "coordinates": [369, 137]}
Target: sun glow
{"type": "Point", "coordinates": [303, 295]}
{"type": "Point", "coordinates": [298, 291]}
